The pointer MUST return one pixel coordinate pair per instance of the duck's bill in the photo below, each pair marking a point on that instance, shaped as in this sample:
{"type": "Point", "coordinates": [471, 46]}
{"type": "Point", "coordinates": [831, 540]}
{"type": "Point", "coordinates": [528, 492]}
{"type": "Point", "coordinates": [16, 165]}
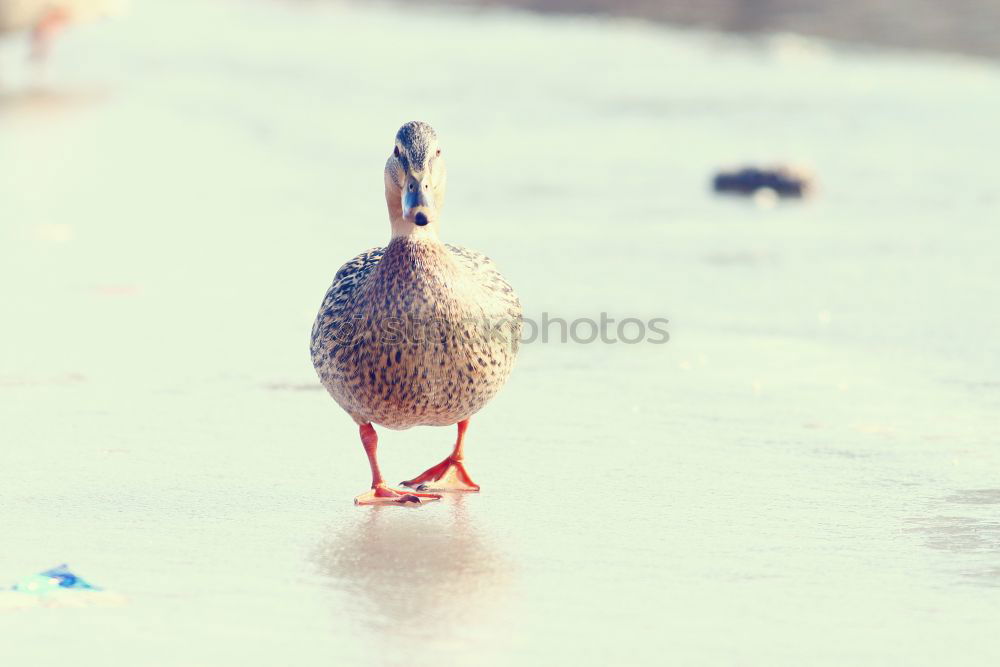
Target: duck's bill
{"type": "Point", "coordinates": [418, 207]}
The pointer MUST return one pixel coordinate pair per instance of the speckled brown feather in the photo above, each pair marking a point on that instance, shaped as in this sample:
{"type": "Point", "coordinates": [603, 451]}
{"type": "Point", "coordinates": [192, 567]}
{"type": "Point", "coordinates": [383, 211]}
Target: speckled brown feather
{"type": "Point", "coordinates": [382, 362]}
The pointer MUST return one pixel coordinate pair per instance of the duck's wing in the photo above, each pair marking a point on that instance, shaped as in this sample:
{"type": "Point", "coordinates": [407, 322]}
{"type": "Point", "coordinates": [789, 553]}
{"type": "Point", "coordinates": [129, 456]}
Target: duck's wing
{"type": "Point", "coordinates": [340, 294]}
{"type": "Point", "coordinates": [485, 272]}
{"type": "Point", "coordinates": [352, 274]}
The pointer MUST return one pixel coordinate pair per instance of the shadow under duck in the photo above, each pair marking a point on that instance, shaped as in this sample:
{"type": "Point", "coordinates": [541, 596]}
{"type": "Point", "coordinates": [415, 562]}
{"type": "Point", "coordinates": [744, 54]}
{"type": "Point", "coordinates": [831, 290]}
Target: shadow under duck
{"type": "Point", "coordinates": [419, 332]}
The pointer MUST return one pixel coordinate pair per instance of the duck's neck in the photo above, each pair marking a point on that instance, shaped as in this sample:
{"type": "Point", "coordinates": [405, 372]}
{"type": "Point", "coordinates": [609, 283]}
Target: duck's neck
{"type": "Point", "coordinates": [417, 256]}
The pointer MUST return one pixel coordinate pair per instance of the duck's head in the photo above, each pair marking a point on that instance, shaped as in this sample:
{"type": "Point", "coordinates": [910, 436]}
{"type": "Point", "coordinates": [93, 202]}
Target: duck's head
{"type": "Point", "coordinates": [415, 179]}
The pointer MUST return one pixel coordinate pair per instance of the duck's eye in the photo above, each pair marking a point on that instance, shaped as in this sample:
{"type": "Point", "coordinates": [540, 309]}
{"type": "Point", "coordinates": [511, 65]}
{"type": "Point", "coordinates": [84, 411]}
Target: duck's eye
{"type": "Point", "coordinates": [438, 153]}
{"type": "Point", "coordinates": [395, 151]}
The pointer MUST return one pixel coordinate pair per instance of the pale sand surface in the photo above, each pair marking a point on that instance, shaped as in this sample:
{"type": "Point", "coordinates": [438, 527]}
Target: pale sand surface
{"type": "Point", "coordinates": [806, 474]}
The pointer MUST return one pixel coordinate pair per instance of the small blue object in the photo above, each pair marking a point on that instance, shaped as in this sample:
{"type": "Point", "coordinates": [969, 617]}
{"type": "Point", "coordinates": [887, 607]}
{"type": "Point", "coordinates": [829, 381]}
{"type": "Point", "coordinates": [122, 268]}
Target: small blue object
{"type": "Point", "coordinates": [58, 578]}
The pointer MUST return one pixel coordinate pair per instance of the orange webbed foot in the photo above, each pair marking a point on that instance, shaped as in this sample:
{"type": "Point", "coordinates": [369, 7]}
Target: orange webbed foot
{"type": "Point", "coordinates": [449, 475]}
{"type": "Point", "coordinates": [384, 495]}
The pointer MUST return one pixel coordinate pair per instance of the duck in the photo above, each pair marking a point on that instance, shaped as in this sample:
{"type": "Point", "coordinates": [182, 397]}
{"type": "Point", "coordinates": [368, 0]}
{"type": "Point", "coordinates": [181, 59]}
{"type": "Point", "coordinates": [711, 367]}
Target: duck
{"type": "Point", "coordinates": [418, 332]}
{"type": "Point", "coordinates": [44, 18]}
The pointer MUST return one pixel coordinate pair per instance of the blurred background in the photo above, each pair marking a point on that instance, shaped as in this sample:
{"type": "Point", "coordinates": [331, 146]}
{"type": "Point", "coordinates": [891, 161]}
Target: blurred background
{"type": "Point", "coordinates": [967, 26]}
{"type": "Point", "coordinates": [805, 474]}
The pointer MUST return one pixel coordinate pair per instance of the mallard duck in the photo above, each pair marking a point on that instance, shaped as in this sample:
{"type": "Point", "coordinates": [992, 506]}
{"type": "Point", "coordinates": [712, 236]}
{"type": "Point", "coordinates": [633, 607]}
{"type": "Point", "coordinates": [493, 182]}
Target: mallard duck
{"type": "Point", "coordinates": [43, 18]}
{"type": "Point", "coordinates": [418, 332]}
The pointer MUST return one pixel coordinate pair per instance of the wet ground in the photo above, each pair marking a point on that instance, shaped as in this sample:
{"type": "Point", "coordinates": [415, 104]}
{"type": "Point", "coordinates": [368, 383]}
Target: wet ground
{"type": "Point", "coordinates": [806, 473]}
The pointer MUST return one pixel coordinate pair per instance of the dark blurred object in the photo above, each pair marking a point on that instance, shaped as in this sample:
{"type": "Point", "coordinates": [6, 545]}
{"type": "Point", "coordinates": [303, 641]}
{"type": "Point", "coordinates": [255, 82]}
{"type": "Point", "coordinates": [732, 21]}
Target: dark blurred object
{"type": "Point", "coordinates": [751, 181]}
{"type": "Point", "coordinates": [967, 26]}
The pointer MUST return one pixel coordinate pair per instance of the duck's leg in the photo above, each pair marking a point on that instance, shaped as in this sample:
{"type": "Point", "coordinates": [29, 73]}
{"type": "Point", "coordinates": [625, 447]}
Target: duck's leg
{"type": "Point", "coordinates": [381, 494]}
{"type": "Point", "coordinates": [47, 26]}
{"type": "Point", "coordinates": [450, 474]}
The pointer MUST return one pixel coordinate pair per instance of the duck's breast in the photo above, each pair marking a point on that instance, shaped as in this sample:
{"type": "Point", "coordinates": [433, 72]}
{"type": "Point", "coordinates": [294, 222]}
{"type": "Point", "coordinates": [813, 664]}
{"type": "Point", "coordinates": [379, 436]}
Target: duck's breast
{"type": "Point", "coordinates": [413, 344]}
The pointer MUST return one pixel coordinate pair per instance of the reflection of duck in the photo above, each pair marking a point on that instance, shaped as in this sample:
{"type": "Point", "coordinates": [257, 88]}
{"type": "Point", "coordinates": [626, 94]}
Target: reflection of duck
{"type": "Point", "coordinates": [43, 18]}
{"type": "Point", "coordinates": [417, 332]}
{"type": "Point", "coordinates": [414, 574]}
